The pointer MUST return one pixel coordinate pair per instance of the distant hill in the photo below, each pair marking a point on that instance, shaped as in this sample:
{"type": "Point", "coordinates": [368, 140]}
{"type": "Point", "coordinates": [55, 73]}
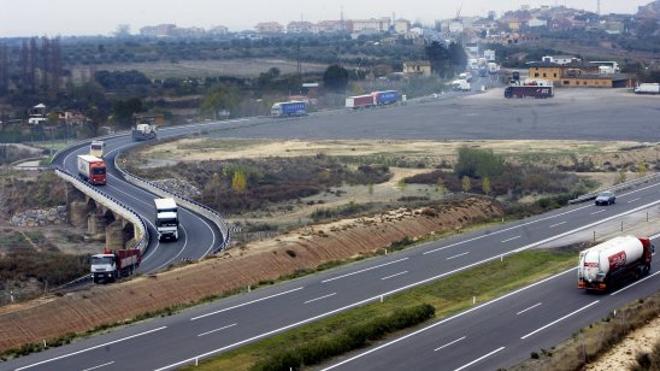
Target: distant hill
{"type": "Point", "coordinates": [651, 10]}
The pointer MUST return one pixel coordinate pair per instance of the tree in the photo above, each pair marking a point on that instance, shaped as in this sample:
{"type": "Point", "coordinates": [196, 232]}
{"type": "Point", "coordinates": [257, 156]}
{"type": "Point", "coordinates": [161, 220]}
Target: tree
{"type": "Point", "coordinates": [219, 99]}
{"type": "Point", "coordinates": [642, 169]}
{"type": "Point", "coordinates": [457, 57]}
{"type": "Point", "coordinates": [239, 181]}
{"type": "Point", "coordinates": [478, 163]}
{"type": "Point", "coordinates": [335, 78]}
{"type": "Point", "coordinates": [466, 185]}
{"type": "Point", "coordinates": [621, 178]}
{"type": "Point", "coordinates": [438, 55]}
{"type": "Point", "coordinates": [123, 111]}
{"type": "Point", "coordinates": [485, 185]}
{"type": "Point", "coordinates": [440, 186]}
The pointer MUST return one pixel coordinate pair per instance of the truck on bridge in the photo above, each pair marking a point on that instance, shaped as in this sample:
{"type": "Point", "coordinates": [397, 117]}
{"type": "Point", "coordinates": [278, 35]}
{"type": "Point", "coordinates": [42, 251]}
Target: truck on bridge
{"type": "Point", "coordinates": [92, 169]}
{"type": "Point", "coordinates": [611, 262]}
{"type": "Point", "coordinates": [111, 265]}
{"type": "Point", "coordinates": [167, 219]}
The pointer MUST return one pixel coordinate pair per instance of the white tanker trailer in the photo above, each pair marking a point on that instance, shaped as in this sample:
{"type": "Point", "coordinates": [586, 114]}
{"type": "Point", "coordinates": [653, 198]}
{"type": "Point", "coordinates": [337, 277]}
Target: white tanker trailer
{"type": "Point", "coordinates": [607, 263]}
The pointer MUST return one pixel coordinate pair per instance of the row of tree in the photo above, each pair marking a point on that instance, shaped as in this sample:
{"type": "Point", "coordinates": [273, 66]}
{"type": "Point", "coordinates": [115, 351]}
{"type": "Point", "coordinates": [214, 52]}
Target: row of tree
{"type": "Point", "coordinates": [34, 68]}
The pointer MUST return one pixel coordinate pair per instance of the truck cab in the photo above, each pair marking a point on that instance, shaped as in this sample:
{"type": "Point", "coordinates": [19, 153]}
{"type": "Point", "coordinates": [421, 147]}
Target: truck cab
{"type": "Point", "coordinates": [104, 267]}
{"type": "Point", "coordinates": [167, 219]}
{"type": "Point", "coordinates": [144, 132]}
{"type": "Point", "coordinates": [96, 148]}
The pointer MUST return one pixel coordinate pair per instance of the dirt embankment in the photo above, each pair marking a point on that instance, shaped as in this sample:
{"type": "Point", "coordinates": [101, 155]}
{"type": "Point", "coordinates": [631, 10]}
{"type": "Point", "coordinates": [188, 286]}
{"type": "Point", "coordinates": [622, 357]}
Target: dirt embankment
{"type": "Point", "coordinates": [304, 249]}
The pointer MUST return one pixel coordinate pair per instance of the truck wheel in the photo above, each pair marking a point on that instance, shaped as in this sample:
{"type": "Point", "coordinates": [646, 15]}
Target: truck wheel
{"type": "Point", "coordinates": [647, 270]}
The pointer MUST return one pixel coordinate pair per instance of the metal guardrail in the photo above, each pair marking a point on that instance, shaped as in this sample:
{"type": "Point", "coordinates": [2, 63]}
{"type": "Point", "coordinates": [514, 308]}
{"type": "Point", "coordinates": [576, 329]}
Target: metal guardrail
{"type": "Point", "coordinates": [142, 233]}
{"type": "Point", "coordinates": [615, 188]}
{"type": "Point", "coordinates": [186, 202]}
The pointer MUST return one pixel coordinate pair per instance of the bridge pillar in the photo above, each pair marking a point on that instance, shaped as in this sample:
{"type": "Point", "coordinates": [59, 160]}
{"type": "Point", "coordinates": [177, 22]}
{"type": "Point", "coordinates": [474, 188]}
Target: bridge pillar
{"type": "Point", "coordinates": [114, 236]}
{"type": "Point", "coordinates": [96, 224]}
{"type": "Point", "coordinates": [77, 212]}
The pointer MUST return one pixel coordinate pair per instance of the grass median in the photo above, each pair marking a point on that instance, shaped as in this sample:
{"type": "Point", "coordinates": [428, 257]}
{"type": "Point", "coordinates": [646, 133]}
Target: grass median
{"type": "Point", "coordinates": [356, 328]}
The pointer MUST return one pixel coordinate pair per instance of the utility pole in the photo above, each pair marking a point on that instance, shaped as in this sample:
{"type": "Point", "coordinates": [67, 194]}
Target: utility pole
{"type": "Point", "coordinates": [598, 7]}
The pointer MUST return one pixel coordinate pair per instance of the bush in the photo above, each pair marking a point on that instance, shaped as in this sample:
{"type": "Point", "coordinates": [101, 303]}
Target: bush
{"type": "Point", "coordinates": [478, 163]}
{"type": "Point", "coordinates": [354, 337]}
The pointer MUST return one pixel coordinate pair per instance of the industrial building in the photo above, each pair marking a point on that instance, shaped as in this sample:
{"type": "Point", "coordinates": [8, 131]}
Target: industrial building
{"type": "Point", "coordinates": [578, 74]}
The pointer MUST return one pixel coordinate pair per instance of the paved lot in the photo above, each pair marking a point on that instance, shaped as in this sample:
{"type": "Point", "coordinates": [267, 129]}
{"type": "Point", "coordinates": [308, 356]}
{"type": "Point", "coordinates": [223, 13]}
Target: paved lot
{"type": "Point", "coordinates": [585, 114]}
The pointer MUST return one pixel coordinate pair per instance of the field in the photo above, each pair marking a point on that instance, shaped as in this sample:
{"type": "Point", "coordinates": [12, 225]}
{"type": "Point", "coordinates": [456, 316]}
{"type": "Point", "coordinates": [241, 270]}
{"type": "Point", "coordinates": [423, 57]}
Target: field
{"type": "Point", "coordinates": [202, 69]}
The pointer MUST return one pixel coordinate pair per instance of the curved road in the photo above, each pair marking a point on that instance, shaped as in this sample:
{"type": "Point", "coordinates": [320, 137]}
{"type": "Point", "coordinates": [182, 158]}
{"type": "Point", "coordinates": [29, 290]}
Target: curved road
{"type": "Point", "coordinates": [170, 342]}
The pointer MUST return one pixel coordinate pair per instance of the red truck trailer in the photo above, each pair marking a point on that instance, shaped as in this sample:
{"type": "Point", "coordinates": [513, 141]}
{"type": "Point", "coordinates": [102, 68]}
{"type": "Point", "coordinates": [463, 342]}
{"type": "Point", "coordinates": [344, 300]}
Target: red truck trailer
{"type": "Point", "coordinates": [360, 101]}
{"type": "Point", "coordinates": [606, 264]}
{"type": "Point", "coordinates": [91, 169]}
{"type": "Point", "coordinates": [111, 265]}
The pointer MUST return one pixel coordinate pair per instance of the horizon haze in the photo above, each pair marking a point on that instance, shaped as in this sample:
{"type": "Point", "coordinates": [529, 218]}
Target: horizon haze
{"type": "Point", "coordinates": [81, 17]}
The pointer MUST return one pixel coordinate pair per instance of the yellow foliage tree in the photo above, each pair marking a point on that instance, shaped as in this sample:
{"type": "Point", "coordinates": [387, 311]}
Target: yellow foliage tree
{"type": "Point", "coordinates": [239, 181]}
{"type": "Point", "coordinates": [485, 185]}
{"type": "Point", "coordinates": [466, 185]}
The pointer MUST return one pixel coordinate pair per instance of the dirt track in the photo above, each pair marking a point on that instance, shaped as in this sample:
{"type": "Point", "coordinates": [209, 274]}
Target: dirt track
{"type": "Point", "coordinates": [235, 270]}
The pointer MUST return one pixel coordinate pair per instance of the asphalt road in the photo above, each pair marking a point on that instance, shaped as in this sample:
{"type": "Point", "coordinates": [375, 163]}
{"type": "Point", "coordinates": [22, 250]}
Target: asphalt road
{"type": "Point", "coordinates": [503, 332]}
{"type": "Point", "coordinates": [572, 115]}
{"type": "Point", "coordinates": [197, 235]}
{"type": "Point", "coordinates": [165, 343]}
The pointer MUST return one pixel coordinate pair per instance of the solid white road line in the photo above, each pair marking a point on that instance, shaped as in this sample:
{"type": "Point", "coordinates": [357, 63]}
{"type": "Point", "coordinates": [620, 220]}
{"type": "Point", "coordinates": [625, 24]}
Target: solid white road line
{"type": "Point", "coordinates": [90, 348]}
{"type": "Point", "coordinates": [634, 283]}
{"type": "Point", "coordinates": [557, 224]}
{"type": "Point", "coordinates": [634, 199]}
{"type": "Point", "coordinates": [458, 255]}
{"type": "Point", "coordinates": [511, 239]}
{"type": "Point", "coordinates": [430, 279]}
{"type": "Point", "coordinates": [246, 303]}
{"type": "Point", "coordinates": [449, 344]}
{"type": "Point", "coordinates": [185, 244]}
{"type": "Point", "coordinates": [598, 212]}
{"type": "Point", "coordinates": [560, 319]}
{"type": "Point", "coordinates": [508, 229]}
{"type": "Point", "coordinates": [528, 309]}
{"type": "Point", "coordinates": [216, 330]}
{"type": "Point", "coordinates": [480, 359]}
{"type": "Point", "coordinates": [433, 325]}
{"type": "Point", "coordinates": [320, 298]}
{"type": "Point", "coordinates": [364, 270]}
{"type": "Point", "coordinates": [394, 275]}
{"type": "Point", "coordinates": [99, 366]}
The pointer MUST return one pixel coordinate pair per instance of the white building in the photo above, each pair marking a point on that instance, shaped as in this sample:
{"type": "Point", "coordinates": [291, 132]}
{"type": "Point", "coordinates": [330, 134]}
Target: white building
{"type": "Point", "coordinates": [374, 25]}
{"type": "Point", "coordinates": [402, 26]}
{"type": "Point", "coordinates": [560, 59]}
{"type": "Point", "coordinates": [537, 22]}
{"type": "Point", "coordinates": [301, 27]}
{"type": "Point", "coordinates": [489, 55]}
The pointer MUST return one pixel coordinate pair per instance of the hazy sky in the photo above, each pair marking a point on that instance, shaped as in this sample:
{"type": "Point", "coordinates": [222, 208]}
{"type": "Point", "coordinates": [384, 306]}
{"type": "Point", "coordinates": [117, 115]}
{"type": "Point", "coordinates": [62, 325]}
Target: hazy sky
{"type": "Point", "coordinates": [100, 17]}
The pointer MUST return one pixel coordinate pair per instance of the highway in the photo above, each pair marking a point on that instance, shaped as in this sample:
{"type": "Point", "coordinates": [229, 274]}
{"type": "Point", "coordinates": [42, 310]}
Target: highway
{"type": "Point", "coordinates": [198, 236]}
{"type": "Point", "coordinates": [166, 343]}
{"type": "Point", "coordinates": [505, 331]}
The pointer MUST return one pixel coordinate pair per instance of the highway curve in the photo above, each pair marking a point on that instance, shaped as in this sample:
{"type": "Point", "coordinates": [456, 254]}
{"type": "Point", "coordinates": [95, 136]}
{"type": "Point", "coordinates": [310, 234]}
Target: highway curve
{"type": "Point", "coordinates": [167, 343]}
{"type": "Point", "coordinates": [198, 236]}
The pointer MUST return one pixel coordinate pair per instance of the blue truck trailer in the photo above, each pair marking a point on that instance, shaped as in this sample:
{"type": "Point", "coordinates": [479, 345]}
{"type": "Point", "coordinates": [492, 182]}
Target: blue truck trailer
{"type": "Point", "coordinates": [387, 97]}
{"type": "Point", "coordinates": [289, 109]}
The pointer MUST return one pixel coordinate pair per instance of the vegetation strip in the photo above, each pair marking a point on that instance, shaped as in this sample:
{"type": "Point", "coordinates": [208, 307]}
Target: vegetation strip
{"type": "Point", "coordinates": [319, 341]}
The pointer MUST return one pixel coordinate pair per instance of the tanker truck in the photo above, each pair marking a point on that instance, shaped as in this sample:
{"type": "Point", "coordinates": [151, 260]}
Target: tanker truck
{"type": "Point", "coordinates": [613, 261]}
{"type": "Point", "coordinates": [111, 265]}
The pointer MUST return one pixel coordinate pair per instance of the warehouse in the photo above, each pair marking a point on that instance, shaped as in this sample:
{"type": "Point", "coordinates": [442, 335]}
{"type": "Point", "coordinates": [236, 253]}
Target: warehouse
{"type": "Point", "coordinates": [577, 75]}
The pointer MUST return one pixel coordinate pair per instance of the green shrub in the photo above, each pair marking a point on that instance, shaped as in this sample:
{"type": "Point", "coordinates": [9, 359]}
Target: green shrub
{"type": "Point", "coordinates": [353, 337]}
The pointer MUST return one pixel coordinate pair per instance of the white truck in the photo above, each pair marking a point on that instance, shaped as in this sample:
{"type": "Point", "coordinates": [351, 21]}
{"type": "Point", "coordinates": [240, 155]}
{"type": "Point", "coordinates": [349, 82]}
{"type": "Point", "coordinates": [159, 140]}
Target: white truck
{"type": "Point", "coordinates": [143, 132]}
{"type": "Point", "coordinates": [167, 219]}
{"type": "Point", "coordinates": [648, 88]}
{"type": "Point", "coordinates": [461, 85]}
{"type": "Point", "coordinates": [610, 263]}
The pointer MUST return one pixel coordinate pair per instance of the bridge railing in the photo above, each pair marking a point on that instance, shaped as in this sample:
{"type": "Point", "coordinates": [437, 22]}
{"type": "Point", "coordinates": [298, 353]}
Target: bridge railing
{"type": "Point", "coordinates": [225, 228]}
{"type": "Point", "coordinates": [126, 212]}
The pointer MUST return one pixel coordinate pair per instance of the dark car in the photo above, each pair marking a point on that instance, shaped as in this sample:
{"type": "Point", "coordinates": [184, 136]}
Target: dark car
{"type": "Point", "coordinates": [605, 198]}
